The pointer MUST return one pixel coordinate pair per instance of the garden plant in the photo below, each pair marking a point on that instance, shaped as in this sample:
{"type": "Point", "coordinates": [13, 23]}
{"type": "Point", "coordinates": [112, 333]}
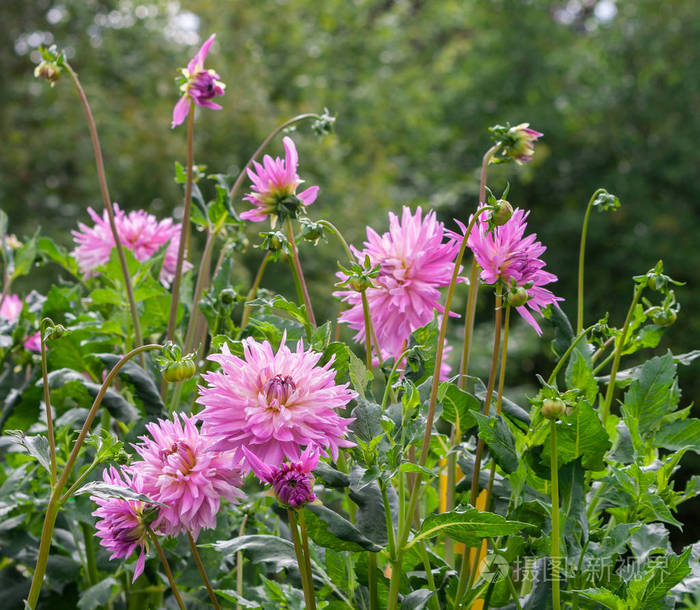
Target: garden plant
{"type": "Point", "coordinates": [171, 438]}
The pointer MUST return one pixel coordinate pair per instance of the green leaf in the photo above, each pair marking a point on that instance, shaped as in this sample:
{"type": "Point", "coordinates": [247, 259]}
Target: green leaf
{"type": "Point", "coordinates": [106, 296]}
{"type": "Point", "coordinates": [679, 435]}
{"type": "Point", "coordinates": [664, 574]}
{"type": "Point", "coordinates": [417, 600]}
{"type": "Point", "coordinates": [37, 446]}
{"type": "Point", "coordinates": [605, 598]}
{"type": "Point", "coordinates": [282, 308]}
{"type": "Point", "coordinates": [339, 355]}
{"type": "Point", "coordinates": [359, 375]}
{"type": "Point", "coordinates": [457, 406]}
{"type": "Point", "coordinates": [650, 538]}
{"type": "Point", "coordinates": [24, 258]}
{"type": "Point", "coordinates": [330, 476]}
{"type": "Point", "coordinates": [98, 595]}
{"type": "Point", "coordinates": [494, 431]}
{"type": "Point", "coordinates": [367, 424]}
{"type": "Point", "coordinates": [563, 331]}
{"type": "Point", "coordinates": [467, 525]}
{"type": "Point", "coordinates": [369, 517]}
{"type": "Point", "coordinates": [57, 254]}
{"type": "Point", "coordinates": [579, 375]}
{"type": "Point", "coordinates": [106, 491]}
{"type": "Point", "coordinates": [330, 530]}
{"type": "Point", "coordinates": [652, 395]}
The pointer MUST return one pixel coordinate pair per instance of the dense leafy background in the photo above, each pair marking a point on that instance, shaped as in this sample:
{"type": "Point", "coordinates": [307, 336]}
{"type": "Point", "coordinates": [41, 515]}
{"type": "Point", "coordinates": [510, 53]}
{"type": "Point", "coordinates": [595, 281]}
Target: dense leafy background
{"type": "Point", "coordinates": [414, 85]}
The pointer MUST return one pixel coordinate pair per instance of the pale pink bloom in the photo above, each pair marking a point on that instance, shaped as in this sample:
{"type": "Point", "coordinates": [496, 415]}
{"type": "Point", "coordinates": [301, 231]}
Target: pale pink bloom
{"type": "Point", "coordinates": [10, 310]}
{"type": "Point", "coordinates": [275, 185]}
{"type": "Point", "coordinates": [523, 142]}
{"type": "Point", "coordinates": [198, 84]}
{"type": "Point", "coordinates": [274, 403]}
{"type": "Point", "coordinates": [292, 481]}
{"type": "Point", "coordinates": [416, 259]}
{"type": "Point", "coordinates": [180, 470]}
{"type": "Point", "coordinates": [122, 525]}
{"type": "Point", "coordinates": [506, 256]}
{"type": "Point", "coordinates": [138, 231]}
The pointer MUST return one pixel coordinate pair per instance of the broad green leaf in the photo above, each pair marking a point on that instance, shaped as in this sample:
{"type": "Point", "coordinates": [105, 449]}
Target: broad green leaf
{"type": "Point", "coordinates": [654, 584]}
{"type": "Point", "coordinates": [679, 435]}
{"type": "Point", "coordinates": [572, 489]}
{"type": "Point", "coordinates": [417, 600]}
{"type": "Point", "coordinates": [106, 296]}
{"type": "Point", "coordinates": [57, 254]}
{"type": "Point", "coordinates": [330, 530]}
{"type": "Point", "coordinates": [339, 355]}
{"type": "Point", "coordinates": [330, 476]}
{"type": "Point", "coordinates": [105, 491]}
{"type": "Point", "coordinates": [367, 424]}
{"type": "Point", "coordinates": [494, 431]}
{"type": "Point", "coordinates": [370, 518]}
{"type": "Point", "coordinates": [650, 538]}
{"type": "Point", "coordinates": [579, 375]}
{"type": "Point", "coordinates": [605, 598]}
{"type": "Point", "coordinates": [563, 331]}
{"type": "Point", "coordinates": [37, 446]}
{"type": "Point", "coordinates": [652, 395]}
{"type": "Point", "coordinates": [98, 595]}
{"type": "Point", "coordinates": [457, 406]}
{"type": "Point", "coordinates": [24, 258]}
{"type": "Point", "coordinates": [467, 525]}
{"type": "Point", "coordinates": [359, 375]}
{"type": "Point", "coordinates": [283, 308]}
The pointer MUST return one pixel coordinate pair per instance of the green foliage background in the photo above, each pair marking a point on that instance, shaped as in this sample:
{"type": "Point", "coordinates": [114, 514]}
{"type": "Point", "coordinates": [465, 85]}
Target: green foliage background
{"type": "Point", "coordinates": [614, 86]}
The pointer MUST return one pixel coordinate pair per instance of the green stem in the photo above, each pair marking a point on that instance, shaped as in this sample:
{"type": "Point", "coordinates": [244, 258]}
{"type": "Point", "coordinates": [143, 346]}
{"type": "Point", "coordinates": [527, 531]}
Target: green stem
{"type": "Point", "coordinates": [372, 580]}
{"type": "Point", "coordinates": [254, 288]}
{"type": "Point", "coordinates": [385, 397]}
{"type": "Point", "coordinates": [513, 591]}
{"type": "Point", "coordinates": [88, 538]}
{"type": "Point", "coordinates": [555, 553]}
{"type": "Point", "coordinates": [299, 274]}
{"type": "Point", "coordinates": [55, 500]}
{"type": "Point", "coordinates": [199, 286]}
{"type": "Point", "coordinates": [603, 364]}
{"type": "Point", "coordinates": [239, 563]}
{"type": "Point", "coordinates": [465, 570]}
{"type": "Point", "coordinates": [391, 542]}
{"type": "Point", "coordinates": [184, 230]}
{"type": "Point", "coordinates": [102, 179]}
{"type": "Point", "coordinates": [368, 339]}
{"type": "Point", "coordinates": [567, 353]}
{"type": "Point", "coordinates": [306, 579]}
{"type": "Point", "coordinates": [339, 235]}
{"type": "Point", "coordinates": [47, 403]}
{"type": "Point", "coordinates": [394, 585]}
{"type": "Point", "coordinates": [618, 353]}
{"type": "Point", "coordinates": [581, 256]}
{"type": "Point", "coordinates": [433, 603]}
{"type": "Point", "coordinates": [202, 572]}
{"type": "Point", "coordinates": [307, 555]}
{"type": "Point", "coordinates": [166, 567]}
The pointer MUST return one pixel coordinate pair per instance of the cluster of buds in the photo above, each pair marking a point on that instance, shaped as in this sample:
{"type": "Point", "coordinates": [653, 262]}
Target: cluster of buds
{"type": "Point", "coordinates": [655, 279]}
{"type": "Point", "coordinates": [515, 143]}
{"type": "Point", "coordinates": [174, 366]}
{"type": "Point", "coordinates": [359, 277]}
{"type": "Point", "coordinates": [324, 124]}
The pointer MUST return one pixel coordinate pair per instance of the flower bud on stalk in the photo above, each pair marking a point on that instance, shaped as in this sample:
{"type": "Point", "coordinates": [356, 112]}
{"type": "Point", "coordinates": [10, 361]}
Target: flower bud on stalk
{"type": "Point", "coordinates": [174, 366]}
{"type": "Point", "coordinates": [553, 408]}
{"type": "Point", "coordinates": [501, 213]}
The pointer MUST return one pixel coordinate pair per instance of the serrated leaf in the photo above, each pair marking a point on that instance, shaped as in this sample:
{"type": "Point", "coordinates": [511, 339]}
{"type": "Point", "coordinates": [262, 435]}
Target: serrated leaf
{"type": "Point", "coordinates": [579, 376]}
{"type": "Point", "coordinates": [359, 375]}
{"type": "Point", "coordinates": [494, 431]}
{"type": "Point", "coordinates": [605, 598]}
{"type": "Point", "coordinates": [457, 406]}
{"type": "Point", "coordinates": [106, 491]}
{"type": "Point", "coordinates": [563, 331]}
{"type": "Point", "coordinates": [282, 308]}
{"type": "Point", "coordinates": [37, 446]}
{"type": "Point", "coordinates": [330, 530]}
{"type": "Point", "coordinates": [679, 435]}
{"type": "Point", "coordinates": [339, 355]}
{"type": "Point", "coordinates": [98, 595]}
{"type": "Point", "coordinates": [467, 525]}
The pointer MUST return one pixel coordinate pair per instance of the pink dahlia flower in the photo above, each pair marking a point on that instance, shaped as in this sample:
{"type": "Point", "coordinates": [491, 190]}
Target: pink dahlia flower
{"type": "Point", "coordinates": [415, 262]}
{"type": "Point", "coordinates": [122, 525]}
{"type": "Point", "coordinates": [198, 85]}
{"type": "Point", "coordinates": [523, 142]}
{"type": "Point", "coordinates": [275, 185]}
{"type": "Point", "coordinates": [138, 231]}
{"type": "Point", "coordinates": [179, 470]}
{"type": "Point", "coordinates": [273, 403]}
{"type": "Point", "coordinates": [10, 309]}
{"type": "Point", "coordinates": [506, 256]}
{"type": "Point", "coordinates": [292, 481]}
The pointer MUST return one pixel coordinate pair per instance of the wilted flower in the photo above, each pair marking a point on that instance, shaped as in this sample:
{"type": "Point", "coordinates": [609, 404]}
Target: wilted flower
{"type": "Point", "coordinates": [179, 470]}
{"type": "Point", "coordinates": [122, 525]}
{"type": "Point", "coordinates": [138, 231]}
{"type": "Point", "coordinates": [10, 309]}
{"type": "Point", "coordinates": [273, 403]}
{"type": "Point", "coordinates": [275, 185]}
{"type": "Point", "coordinates": [506, 256]}
{"type": "Point", "coordinates": [414, 264]}
{"type": "Point", "coordinates": [292, 481]}
{"type": "Point", "coordinates": [198, 84]}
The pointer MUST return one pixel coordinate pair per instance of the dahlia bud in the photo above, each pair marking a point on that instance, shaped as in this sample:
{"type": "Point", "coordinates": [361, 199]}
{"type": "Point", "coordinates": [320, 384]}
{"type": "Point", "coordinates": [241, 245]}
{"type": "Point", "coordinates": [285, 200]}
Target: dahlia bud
{"type": "Point", "coordinates": [663, 317]}
{"type": "Point", "coordinates": [501, 213]}
{"type": "Point", "coordinates": [48, 70]}
{"type": "Point", "coordinates": [311, 231]}
{"type": "Point", "coordinates": [274, 241]}
{"type": "Point", "coordinates": [174, 366]}
{"type": "Point", "coordinates": [517, 143]}
{"type": "Point", "coordinates": [227, 296]}
{"type": "Point", "coordinates": [517, 296]}
{"type": "Point", "coordinates": [553, 408]}
{"type": "Point", "coordinates": [324, 124]}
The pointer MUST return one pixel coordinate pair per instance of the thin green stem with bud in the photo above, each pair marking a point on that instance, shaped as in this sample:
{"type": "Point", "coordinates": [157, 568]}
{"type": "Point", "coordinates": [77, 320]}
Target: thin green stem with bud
{"type": "Point", "coordinates": [102, 179]}
{"type": "Point", "coordinates": [582, 252]}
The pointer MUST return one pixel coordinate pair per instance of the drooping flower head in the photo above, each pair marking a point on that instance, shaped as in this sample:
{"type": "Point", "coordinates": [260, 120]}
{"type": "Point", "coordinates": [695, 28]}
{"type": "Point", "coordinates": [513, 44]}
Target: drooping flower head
{"type": "Point", "coordinates": [10, 309]}
{"type": "Point", "coordinates": [273, 403]}
{"type": "Point", "coordinates": [138, 231]}
{"type": "Point", "coordinates": [506, 256]}
{"type": "Point", "coordinates": [292, 481]}
{"type": "Point", "coordinates": [198, 85]}
{"type": "Point", "coordinates": [179, 470]}
{"type": "Point", "coordinates": [122, 525]}
{"type": "Point", "coordinates": [516, 143]}
{"type": "Point", "coordinates": [416, 259]}
{"type": "Point", "coordinates": [275, 185]}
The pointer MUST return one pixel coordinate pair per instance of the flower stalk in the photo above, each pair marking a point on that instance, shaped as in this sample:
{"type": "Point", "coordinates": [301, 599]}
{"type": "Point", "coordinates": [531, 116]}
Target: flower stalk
{"type": "Point", "coordinates": [304, 567]}
{"type": "Point", "coordinates": [203, 572]}
{"type": "Point", "coordinates": [299, 274]}
{"type": "Point", "coordinates": [556, 552]}
{"type": "Point", "coordinates": [166, 567]}
{"type": "Point", "coordinates": [581, 256]}
{"type": "Point", "coordinates": [47, 403]}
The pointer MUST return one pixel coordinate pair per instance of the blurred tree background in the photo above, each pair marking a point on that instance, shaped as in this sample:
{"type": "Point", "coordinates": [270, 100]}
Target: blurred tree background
{"type": "Point", "coordinates": [414, 84]}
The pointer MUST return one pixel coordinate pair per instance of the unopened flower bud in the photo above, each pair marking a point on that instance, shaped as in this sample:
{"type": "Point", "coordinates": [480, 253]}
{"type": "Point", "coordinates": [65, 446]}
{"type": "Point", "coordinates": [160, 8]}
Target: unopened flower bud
{"type": "Point", "coordinates": [228, 296]}
{"type": "Point", "coordinates": [48, 70]}
{"type": "Point", "coordinates": [12, 242]}
{"type": "Point", "coordinates": [663, 317]}
{"type": "Point", "coordinates": [360, 284]}
{"type": "Point", "coordinates": [517, 296]}
{"type": "Point", "coordinates": [501, 213]}
{"type": "Point", "coordinates": [553, 408]}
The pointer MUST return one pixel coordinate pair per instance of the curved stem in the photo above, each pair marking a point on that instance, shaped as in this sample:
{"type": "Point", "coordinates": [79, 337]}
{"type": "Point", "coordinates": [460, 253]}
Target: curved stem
{"type": "Point", "coordinates": [55, 500]}
{"type": "Point", "coordinates": [385, 397]}
{"type": "Point", "coordinates": [556, 552]}
{"type": "Point", "coordinates": [567, 353]}
{"type": "Point", "coordinates": [184, 230]}
{"type": "Point", "coordinates": [582, 252]}
{"type": "Point", "coordinates": [254, 288]}
{"type": "Point", "coordinates": [618, 353]}
{"type": "Point", "coordinates": [102, 179]}
{"type": "Point", "coordinates": [166, 567]}
{"type": "Point", "coordinates": [299, 274]}
{"type": "Point", "coordinates": [47, 403]}
{"type": "Point", "coordinates": [202, 572]}
{"type": "Point", "coordinates": [339, 235]}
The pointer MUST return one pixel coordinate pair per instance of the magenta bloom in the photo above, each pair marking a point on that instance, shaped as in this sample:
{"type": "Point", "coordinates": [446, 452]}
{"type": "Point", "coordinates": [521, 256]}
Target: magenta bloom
{"type": "Point", "coordinates": [293, 482]}
{"type": "Point", "coordinates": [138, 231]}
{"type": "Point", "coordinates": [273, 403]}
{"type": "Point", "coordinates": [123, 524]}
{"type": "Point", "coordinates": [275, 185]}
{"type": "Point", "coordinates": [10, 310]}
{"type": "Point", "coordinates": [523, 142]}
{"type": "Point", "coordinates": [179, 470]}
{"type": "Point", "coordinates": [506, 256]}
{"type": "Point", "coordinates": [198, 84]}
{"type": "Point", "coordinates": [415, 262]}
